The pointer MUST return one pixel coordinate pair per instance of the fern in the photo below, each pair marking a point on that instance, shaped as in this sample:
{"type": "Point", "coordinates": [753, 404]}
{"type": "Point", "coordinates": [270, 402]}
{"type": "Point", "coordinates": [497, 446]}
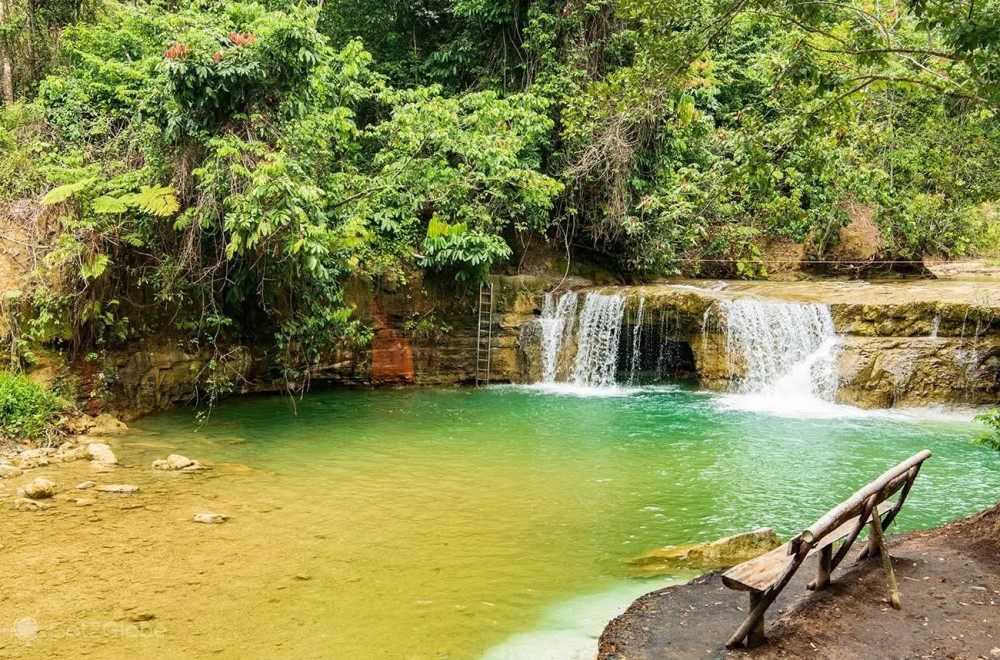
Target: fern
{"type": "Point", "coordinates": [156, 200]}
{"type": "Point", "coordinates": [107, 204]}
{"type": "Point", "coordinates": [62, 193]}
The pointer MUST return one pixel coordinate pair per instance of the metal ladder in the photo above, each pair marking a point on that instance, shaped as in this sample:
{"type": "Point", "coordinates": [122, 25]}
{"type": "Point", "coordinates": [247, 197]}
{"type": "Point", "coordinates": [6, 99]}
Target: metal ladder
{"type": "Point", "coordinates": [485, 327]}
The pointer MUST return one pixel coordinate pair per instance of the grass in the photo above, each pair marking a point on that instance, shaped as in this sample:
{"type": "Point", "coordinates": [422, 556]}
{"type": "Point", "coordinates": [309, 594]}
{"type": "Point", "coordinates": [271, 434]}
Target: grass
{"type": "Point", "coordinates": [28, 411]}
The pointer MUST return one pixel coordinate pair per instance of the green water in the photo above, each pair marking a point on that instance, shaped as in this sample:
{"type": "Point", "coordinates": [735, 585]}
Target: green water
{"type": "Point", "coordinates": [459, 522]}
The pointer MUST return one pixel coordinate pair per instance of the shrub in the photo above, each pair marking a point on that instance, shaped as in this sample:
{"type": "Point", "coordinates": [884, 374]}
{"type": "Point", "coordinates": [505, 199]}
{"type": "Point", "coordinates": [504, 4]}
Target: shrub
{"type": "Point", "coordinates": [27, 410]}
{"type": "Point", "coordinates": [992, 437]}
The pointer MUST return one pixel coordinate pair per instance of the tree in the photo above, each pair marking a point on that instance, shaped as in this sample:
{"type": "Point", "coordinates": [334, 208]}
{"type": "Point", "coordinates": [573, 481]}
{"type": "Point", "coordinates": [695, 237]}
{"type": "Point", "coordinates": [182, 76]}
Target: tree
{"type": "Point", "coordinates": [6, 71]}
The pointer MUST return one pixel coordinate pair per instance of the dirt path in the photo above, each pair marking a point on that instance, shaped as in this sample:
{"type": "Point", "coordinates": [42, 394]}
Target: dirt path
{"type": "Point", "coordinates": [950, 583]}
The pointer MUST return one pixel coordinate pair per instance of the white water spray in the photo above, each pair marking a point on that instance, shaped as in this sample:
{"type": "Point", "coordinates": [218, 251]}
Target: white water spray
{"type": "Point", "coordinates": [556, 325]}
{"type": "Point", "coordinates": [637, 342]}
{"type": "Point", "coordinates": [597, 341]}
{"type": "Point", "coordinates": [784, 349]}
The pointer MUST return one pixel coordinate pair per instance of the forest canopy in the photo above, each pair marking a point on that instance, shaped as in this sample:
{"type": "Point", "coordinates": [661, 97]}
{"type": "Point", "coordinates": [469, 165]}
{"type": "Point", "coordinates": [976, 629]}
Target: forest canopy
{"type": "Point", "coordinates": [232, 164]}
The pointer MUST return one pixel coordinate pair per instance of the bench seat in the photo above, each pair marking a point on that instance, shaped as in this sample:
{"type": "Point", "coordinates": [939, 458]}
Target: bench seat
{"type": "Point", "coordinates": [758, 574]}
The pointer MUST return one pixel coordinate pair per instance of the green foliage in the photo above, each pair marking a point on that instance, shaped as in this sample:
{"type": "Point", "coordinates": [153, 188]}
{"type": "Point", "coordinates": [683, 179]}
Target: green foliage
{"type": "Point", "coordinates": [28, 411]}
{"type": "Point", "coordinates": [220, 169]}
{"type": "Point", "coordinates": [992, 437]}
{"type": "Point", "coordinates": [425, 327]}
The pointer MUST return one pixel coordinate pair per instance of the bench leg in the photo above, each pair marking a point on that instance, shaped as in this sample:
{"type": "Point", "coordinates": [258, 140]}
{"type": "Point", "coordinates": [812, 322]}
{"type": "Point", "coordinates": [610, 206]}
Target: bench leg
{"type": "Point", "coordinates": [756, 636]}
{"type": "Point", "coordinates": [825, 568]}
{"type": "Point", "coordinates": [878, 546]}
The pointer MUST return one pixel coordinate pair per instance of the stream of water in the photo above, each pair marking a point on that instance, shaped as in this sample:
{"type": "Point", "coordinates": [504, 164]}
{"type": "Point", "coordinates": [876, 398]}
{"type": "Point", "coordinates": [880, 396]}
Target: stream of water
{"type": "Point", "coordinates": [494, 523]}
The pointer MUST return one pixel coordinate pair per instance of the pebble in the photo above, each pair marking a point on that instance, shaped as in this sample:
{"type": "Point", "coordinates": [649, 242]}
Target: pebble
{"type": "Point", "coordinates": [85, 501]}
{"type": "Point", "coordinates": [84, 485]}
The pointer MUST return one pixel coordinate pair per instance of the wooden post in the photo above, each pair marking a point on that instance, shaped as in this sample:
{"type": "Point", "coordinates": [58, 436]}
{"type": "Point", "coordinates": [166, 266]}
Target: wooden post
{"type": "Point", "coordinates": [878, 545]}
{"type": "Point", "coordinates": [756, 637]}
{"type": "Point", "coordinates": [825, 567]}
{"type": "Point", "coordinates": [911, 477]}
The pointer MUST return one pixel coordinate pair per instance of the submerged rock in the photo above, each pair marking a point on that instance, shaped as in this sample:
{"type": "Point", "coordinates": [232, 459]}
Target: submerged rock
{"type": "Point", "coordinates": [70, 454]}
{"type": "Point", "coordinates": [24, 504]}
{"type": "Point", "coordinates": [38, 489]}
{"type": "Point", "coordinates": [210, 518]}
{"type": "Point", "coordinates": [178, 462]}
{"type": "Point", "coordinates": [125, 489]}
{"type": "Point", "coordinates": [724, 552]}
{"type": "Point", "coordinates": [101, 453]}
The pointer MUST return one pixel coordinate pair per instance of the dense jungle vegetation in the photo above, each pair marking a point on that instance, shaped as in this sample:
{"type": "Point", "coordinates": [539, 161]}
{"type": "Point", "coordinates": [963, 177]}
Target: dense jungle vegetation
{"type": "Point", "coordinates": [221, 169]}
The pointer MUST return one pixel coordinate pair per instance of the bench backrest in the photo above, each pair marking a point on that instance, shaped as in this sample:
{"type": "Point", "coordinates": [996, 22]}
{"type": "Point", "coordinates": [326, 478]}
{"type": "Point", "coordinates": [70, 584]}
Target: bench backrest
{"type": "Point", "coordinates": [868, 497]}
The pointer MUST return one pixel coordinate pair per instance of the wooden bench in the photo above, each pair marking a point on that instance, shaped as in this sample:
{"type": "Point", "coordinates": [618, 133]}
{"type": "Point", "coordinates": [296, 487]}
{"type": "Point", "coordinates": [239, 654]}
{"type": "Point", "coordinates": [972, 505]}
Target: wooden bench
{"type": "Point", "coordinates": [765, 576]}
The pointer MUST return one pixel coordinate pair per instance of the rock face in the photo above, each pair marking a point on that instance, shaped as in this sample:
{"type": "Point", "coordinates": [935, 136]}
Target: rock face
{"type": "Point", "coordinates": [724, 552]}
{"type": "Point", "coordinates": [902, 343]}
{"type": "Point", "coordinates": [899, 344]}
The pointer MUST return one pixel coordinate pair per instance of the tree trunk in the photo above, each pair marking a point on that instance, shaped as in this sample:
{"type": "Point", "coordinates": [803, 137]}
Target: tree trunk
{"type": "Point", "coordinates": [6, 71]}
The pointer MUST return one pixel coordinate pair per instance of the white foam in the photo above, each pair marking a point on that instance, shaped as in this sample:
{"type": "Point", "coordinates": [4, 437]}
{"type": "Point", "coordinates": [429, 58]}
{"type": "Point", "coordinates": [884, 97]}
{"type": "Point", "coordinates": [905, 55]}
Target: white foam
{"type": "Point", "coordinates": [592, 391]}
{"type": "Point", "coordinates": [570, 629]}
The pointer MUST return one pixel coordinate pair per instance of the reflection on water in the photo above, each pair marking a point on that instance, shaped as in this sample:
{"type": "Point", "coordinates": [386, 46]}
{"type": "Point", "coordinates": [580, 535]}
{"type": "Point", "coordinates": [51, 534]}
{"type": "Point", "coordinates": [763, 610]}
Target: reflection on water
{"type": "Point", "coordinates": [457, 523]}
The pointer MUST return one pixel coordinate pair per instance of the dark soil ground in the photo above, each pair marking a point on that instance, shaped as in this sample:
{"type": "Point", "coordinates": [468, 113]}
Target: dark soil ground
{"type": "Point", "coordinates": [949, 579]}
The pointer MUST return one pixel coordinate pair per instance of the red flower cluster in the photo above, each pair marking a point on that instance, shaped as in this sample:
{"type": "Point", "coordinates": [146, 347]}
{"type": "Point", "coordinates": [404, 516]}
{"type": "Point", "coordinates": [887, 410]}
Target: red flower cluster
{"type": "Point", "coordinates": [217, 57]}
{"type": "Point", "coordinates": [244, 39]}
{"type": "Point", "coordinates": [177, 51]}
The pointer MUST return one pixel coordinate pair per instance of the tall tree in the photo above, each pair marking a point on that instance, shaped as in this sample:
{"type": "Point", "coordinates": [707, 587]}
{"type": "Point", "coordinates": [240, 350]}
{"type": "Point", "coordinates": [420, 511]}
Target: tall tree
{"type": "Point", "coordinates": [6, 70]}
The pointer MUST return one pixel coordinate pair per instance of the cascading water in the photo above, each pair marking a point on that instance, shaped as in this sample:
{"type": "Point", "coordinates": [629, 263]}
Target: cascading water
{"type": "Point", "coordinates": [781, 349]}
{"type": "Point", "coordinates": [597, 340]}
{"type": "Point", "coordinates": [636, 342]}
{"type": "Point", "coordinates": [556, 325]}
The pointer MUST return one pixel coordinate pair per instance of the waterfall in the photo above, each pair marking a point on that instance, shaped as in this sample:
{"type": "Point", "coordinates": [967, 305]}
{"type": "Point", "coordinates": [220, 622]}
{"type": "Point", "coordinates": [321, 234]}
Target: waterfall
{"type": "Point", "coordinates": [637, 342]}
{"type": "Point", "coordinates": [597, 340]}
{"type": "Point", "coordinates": [784, 349]}
{"type": "Point", "coordinates": [556, 325]}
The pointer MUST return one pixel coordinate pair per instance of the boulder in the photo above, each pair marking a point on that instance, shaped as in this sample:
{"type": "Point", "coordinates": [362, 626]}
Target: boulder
{"type": "Point", "coordinates": [210, 518]}
{"type": "Point", "coordinates": [8, 471]}
{"type": "Point", "coordinates": [30, 463]}
{"type": "Point", "coordinates": [106, 424]}
{"type": "Point", "coordinates": [177, 462]}
{"type": "Point", "coordinates": [101, 453]}
{"type": "Point", "coordinates": [124, 489]}
{"type": "Point", "coordinates": [39, 489]}
{"type": "Point", "coordinates": [722, 553]}
{"type": "Point", "coordinates": [71, 454]}
{"type": "Point", "coordinates": [36, 453]}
